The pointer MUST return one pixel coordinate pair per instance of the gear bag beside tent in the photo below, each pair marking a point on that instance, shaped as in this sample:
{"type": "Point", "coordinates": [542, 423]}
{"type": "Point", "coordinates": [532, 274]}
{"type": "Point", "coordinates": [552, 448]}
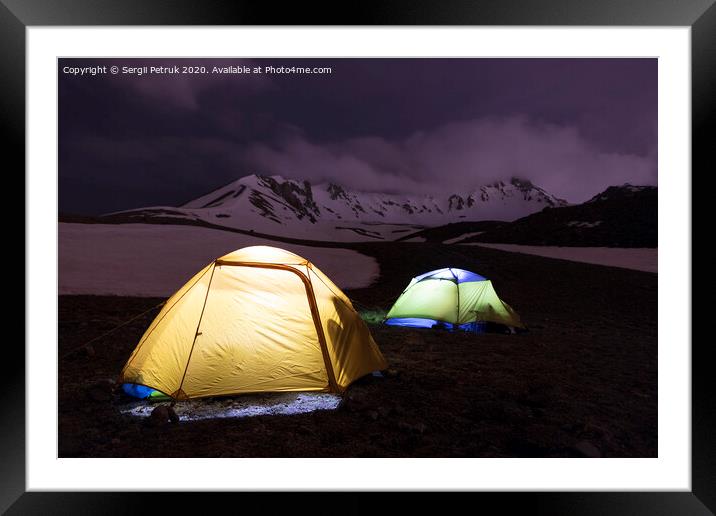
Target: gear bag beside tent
{"type": "Point", "coordinates": [259, 319]}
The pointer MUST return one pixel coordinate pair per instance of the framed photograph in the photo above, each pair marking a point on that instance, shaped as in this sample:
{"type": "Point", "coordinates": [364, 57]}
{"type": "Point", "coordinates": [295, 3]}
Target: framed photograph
{"type": "Point", "coordinates": [417, 249]}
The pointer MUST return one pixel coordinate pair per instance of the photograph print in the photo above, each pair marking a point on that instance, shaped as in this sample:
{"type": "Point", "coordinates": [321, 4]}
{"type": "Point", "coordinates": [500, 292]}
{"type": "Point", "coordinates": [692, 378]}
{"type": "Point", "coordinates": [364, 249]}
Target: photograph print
{"type": "Point", "coordinates": [357, 257]}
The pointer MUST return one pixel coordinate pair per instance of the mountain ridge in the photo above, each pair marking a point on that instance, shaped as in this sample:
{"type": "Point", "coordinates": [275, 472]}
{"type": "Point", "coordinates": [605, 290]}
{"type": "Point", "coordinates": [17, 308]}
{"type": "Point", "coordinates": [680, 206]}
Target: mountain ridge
{"type": "Point", "coordinates": [274, 204]}
{"type": "Point", "coordinates": [620, 216]}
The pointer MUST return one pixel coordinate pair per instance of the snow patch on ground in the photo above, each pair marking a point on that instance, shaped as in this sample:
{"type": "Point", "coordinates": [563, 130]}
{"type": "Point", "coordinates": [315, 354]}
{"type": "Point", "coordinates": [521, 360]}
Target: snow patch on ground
{"type": "Point", "coordinates": [640, 259]}
{"type": "Point", "coordinates": [415, 239]}
{"type": "Point", "coordinates": [581, 224]}
{"type": "Point", "coordinates": [250, 405]}
{"type": "Point", "coordinates": [462, 237]}
{"type": "Point", "coordinates": [154, 260]}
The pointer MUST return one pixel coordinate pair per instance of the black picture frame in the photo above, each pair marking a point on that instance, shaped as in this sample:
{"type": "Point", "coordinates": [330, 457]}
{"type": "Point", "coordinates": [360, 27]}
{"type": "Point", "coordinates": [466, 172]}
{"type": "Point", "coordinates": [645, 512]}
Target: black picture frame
{"type": "Point", "coordinates": [700, 15]}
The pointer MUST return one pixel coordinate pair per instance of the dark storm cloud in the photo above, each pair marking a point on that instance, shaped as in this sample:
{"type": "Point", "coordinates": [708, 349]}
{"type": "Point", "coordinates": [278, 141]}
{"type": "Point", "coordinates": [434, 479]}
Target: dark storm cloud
{"type": "Point", "coordinates": [573, 126]}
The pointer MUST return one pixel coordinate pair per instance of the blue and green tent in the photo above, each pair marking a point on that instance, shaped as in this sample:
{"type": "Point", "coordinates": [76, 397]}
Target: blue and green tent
{"type": "Point", "coordinates": [452, 298]}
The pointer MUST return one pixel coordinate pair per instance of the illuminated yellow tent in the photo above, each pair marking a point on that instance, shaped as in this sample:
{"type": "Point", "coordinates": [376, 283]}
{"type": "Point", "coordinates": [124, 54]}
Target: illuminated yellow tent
{"type": "Point", "coordinates": [256, 320]}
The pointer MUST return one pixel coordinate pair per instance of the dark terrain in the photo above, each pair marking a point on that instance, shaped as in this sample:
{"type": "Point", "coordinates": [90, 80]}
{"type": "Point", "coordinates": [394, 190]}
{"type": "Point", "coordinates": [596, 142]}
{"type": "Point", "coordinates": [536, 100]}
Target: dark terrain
{"type": "Point", "coordinates": [439, 234]}
{"type": "Point", "coordinates": [621, 216]}
{"type": "Point", "coordinates": [581, 382]}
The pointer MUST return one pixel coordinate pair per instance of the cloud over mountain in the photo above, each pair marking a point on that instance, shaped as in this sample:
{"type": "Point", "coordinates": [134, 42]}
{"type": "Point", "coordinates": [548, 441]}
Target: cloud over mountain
{"type": "Point", "coordinates": [456, 155]}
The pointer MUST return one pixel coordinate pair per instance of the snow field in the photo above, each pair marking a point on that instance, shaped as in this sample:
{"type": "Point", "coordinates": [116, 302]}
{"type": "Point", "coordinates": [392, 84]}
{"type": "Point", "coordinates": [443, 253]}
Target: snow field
{"type": "Point", "coordinates": [149, 260]}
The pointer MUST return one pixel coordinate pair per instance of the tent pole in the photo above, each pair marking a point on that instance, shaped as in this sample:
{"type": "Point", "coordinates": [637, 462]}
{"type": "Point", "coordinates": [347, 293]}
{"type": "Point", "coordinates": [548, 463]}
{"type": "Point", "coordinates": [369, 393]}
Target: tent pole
{"type": "Point", "coordinates": [152, 328]}
{"type": "Point", "coordinates": [313, 305]}
{"type": "Point", "coordinates": [457, 286]}
{"type": "Point", "coordinates": [196, 333]}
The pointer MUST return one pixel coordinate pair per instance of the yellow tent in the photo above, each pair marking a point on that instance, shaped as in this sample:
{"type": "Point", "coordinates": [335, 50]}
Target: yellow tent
{"type": "Point", "coordinates": [256, 320]}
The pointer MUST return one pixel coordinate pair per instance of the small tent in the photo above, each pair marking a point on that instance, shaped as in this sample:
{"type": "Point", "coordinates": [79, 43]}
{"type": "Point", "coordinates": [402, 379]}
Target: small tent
{"type": "Point", "coordinates": [259, 319]}
{"type": "Point", "coordinates": [453, 298]}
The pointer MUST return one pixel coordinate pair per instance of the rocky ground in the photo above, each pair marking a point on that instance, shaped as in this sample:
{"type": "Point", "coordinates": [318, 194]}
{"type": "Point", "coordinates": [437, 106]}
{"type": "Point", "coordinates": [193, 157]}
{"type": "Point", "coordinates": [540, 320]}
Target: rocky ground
{"type": "Point", "coordinates": [581, 382]}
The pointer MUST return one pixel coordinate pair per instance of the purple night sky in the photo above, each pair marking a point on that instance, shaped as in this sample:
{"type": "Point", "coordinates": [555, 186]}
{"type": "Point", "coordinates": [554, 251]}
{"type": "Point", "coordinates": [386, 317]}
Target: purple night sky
{"type": "Point", "coordinates": [572, 126]}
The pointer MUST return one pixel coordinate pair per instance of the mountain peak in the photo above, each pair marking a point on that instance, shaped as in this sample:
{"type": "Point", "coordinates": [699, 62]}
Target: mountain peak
{"type": "Point", "coordinates": [253, 178]}
{"type": "Point", "coordinates": [622, 191]}
{"type": "Point", "coordinates": [521, 184]}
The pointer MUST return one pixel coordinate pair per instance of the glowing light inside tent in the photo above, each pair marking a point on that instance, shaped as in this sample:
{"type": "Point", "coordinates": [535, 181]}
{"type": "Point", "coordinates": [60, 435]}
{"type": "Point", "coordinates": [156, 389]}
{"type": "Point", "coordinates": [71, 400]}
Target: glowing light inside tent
{"type": "Point", "coordinates": [453, 299]}
{"type": "Point", "coordinates": [267, 404]}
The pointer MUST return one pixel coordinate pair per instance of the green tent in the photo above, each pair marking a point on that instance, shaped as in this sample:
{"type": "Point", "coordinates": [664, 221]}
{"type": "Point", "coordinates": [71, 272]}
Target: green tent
{"type": "Point", "coordinates": [455, 298]}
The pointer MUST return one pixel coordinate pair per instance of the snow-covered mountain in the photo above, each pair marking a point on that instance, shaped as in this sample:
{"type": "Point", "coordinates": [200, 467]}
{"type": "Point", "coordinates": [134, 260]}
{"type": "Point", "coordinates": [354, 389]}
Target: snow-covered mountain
{"type": "Point", "coordinates": [620, 216]}
{"type": "Point", "coordinates": [287, 207]}
{"type": "Point", "coordinates": [625, 191]}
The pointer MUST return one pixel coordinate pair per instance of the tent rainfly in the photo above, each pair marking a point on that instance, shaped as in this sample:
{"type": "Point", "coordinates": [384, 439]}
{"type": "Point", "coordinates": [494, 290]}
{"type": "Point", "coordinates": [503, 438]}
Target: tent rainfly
{"type": "Point", "coordinates": [259, 319]}
{"type": "Point", "coordinates": [455, 298]}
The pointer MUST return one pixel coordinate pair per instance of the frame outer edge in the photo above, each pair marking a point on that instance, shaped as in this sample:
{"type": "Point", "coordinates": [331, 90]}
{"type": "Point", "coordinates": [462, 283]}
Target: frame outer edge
{"type": "Point", "coordinates": [701, 14]}
{"type": "Point", "coordinates": [12, 122]}
{"type": "Point", "coordinates": [703, 120]}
